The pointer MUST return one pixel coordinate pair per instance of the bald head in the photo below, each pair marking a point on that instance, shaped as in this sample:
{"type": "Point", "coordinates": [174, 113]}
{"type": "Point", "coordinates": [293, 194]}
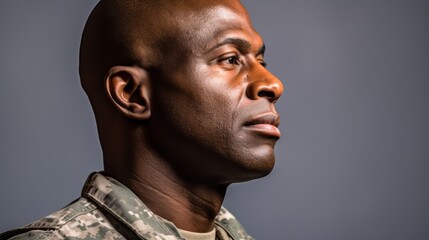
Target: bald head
{"type": "Point", "coordinates": [136, 33]}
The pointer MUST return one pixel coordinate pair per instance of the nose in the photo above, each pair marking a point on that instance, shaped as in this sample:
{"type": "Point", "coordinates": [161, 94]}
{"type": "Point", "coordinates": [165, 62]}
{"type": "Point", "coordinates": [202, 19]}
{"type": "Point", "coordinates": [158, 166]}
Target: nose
{"type": "Point", "coordinates": [263, 84]}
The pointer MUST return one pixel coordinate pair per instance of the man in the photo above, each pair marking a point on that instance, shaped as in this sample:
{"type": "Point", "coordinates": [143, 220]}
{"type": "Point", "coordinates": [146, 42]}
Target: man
{"type": "Point", "coordinates": [184, 107]}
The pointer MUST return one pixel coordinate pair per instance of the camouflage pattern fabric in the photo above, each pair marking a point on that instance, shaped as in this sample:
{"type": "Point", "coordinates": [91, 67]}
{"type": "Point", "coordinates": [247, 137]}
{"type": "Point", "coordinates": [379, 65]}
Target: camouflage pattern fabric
{"type": "Point", "coordinates": [109, 210]}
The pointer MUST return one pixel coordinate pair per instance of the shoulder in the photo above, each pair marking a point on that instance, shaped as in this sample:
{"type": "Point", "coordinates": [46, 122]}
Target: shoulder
{"type": "Point", "coordinates": [79, 220]}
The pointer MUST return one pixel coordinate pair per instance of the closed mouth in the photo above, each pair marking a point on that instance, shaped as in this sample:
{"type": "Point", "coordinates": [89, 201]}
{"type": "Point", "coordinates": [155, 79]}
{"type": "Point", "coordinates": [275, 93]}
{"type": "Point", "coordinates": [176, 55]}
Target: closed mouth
{"type": "Point", "coordinates": [265, 124]}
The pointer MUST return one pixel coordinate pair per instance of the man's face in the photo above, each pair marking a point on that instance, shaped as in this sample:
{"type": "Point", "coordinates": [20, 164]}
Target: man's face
{"type": "Point", "coordinates": [213, 100]}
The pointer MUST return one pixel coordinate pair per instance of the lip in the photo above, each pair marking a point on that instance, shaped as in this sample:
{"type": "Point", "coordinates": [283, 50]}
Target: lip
{"type": "Point", "coordinates": [266, 124]}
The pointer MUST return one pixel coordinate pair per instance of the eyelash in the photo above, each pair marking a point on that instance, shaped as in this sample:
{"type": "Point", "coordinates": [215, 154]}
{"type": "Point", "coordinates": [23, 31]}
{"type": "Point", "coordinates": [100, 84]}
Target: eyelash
{"type": "Point", "coordinates": [236, 61]}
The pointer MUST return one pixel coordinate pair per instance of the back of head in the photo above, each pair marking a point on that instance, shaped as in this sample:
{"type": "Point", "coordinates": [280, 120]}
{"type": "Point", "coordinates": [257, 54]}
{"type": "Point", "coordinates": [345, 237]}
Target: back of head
{"type": "Point", "coordinates": [109, 39]}
{"type": "Point", "coordinates": [118, 33]}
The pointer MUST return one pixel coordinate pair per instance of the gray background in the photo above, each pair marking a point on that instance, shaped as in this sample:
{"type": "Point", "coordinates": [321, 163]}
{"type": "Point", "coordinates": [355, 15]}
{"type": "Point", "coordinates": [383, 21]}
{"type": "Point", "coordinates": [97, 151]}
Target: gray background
{"type": "Point", "coordinates": [353, 162]}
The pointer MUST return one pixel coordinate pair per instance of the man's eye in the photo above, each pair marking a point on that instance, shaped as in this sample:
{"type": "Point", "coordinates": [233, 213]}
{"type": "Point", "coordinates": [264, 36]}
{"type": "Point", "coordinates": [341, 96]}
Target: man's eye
{"type": "Point", "coordinates": [233, 60]}
{"type": "Point", "coordinates": [263, 63]}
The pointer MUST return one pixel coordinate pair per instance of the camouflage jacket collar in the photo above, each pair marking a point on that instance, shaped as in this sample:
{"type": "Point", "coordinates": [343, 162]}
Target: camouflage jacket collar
{"type": "Point", "coordinates": [125, 206]}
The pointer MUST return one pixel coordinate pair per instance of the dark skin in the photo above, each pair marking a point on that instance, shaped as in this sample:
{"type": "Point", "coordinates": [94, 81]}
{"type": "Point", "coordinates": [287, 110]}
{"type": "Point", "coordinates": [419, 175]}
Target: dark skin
{"type": "Point", "coordinates": [183, 102]}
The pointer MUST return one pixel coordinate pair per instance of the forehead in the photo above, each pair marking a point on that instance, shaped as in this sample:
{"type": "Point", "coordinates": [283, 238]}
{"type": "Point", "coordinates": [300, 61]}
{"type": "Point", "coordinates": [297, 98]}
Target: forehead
{"type": "Point", "coordinates": [171, 33]}
{"type": "Point", "coordinates": [204, 26]}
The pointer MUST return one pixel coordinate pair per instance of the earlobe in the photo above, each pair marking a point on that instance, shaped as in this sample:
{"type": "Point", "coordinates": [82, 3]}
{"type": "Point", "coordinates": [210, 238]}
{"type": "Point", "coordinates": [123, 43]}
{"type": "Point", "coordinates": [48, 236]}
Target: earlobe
{"type": "Point", "coordinates": [128, 89]}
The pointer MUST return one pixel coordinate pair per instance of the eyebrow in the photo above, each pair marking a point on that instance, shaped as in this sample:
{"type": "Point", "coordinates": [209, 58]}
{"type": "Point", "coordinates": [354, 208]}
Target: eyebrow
{"type": "Point", "coordinates": [241, 45]}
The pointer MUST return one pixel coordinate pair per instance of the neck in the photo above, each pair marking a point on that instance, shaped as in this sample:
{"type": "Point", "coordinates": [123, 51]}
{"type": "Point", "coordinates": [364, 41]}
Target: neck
{"type": "Point", "coordinates": [191, 205]}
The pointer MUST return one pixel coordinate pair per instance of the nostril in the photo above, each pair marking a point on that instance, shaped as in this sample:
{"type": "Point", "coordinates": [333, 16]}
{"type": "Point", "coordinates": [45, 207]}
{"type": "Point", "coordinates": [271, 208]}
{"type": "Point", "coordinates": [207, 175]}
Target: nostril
{"type": "Point", "coordinates": [267, 94]}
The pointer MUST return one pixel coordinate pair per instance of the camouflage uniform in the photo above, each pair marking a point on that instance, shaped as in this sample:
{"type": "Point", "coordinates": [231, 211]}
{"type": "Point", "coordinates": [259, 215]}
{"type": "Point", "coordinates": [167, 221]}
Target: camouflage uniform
{"type": "Point", "coordinates": [109, 210]}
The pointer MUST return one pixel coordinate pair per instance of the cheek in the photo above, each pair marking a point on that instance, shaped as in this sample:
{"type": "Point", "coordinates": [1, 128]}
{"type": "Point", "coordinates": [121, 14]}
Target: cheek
{"type": "Point", "coordinates": [192, 112]}
{"type": "Point", "coordinates": [200, 105]}
{"type": "Point", "coordinates": [218, 100]}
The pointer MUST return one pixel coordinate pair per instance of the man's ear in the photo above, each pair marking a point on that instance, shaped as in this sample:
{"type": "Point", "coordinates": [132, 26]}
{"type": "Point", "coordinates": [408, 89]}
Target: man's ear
{"type": "Point", "coordinates": [128, 88]}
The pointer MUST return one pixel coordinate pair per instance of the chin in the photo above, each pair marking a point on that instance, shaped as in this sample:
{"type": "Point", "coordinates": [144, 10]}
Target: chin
{"type": "Point", "coordinates": [261, 170]}
{"type": "Point", "coordinates": [255, 165]}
